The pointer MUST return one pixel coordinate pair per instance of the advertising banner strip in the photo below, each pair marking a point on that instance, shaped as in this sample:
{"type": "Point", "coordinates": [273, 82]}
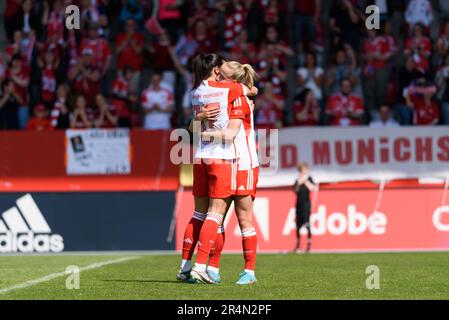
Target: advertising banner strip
{"type": "Point", "coordinates": [341, 221]}
{"type": "Point", "coordinates": [354, 154]}
{"type": "Point", "coordinates": [85, 221]}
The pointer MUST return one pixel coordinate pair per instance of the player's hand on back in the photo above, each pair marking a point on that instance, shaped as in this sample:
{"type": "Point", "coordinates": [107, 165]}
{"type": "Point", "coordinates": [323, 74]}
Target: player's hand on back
{"type": "Point", "coordinates": [208, 113]}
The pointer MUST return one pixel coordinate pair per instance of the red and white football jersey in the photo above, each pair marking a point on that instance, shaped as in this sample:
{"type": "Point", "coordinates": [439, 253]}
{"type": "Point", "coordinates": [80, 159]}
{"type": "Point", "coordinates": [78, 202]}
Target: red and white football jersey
{"type": "Point", "coordinates": [245, 141]}
{"type": "Point", "coordinates": [211, 93]}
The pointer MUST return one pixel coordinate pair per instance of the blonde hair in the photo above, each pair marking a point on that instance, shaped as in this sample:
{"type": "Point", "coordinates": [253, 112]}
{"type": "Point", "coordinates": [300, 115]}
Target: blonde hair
{"type": "Point", "coordinates": [303, 165]}
{"type": "Point", "coordinates": [243, 73]}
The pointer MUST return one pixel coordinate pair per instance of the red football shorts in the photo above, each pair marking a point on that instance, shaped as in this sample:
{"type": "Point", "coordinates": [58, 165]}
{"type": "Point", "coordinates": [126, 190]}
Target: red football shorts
{"type": "Point", "coordinates": [214, 178]}
{"type": "Point", "coordinates": [247, 182]}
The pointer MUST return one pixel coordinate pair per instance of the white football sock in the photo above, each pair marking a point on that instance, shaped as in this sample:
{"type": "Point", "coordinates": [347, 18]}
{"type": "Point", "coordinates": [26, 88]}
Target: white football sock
{"type": "Point", "coordinates": [185, 265]}
{"type": "Point", "coordinates": [200, 267]}
{"type": "Point", "coordinates": [251, 272]}
{"type": "Point", "coordinates": [213, 269]}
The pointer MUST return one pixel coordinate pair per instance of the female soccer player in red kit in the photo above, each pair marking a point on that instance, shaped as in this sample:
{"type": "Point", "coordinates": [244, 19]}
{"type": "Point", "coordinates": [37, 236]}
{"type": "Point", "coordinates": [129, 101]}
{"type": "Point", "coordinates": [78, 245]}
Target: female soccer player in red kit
{"type": "Point", "coordinates": [215, 166]}
{"type": "Point", "coordinates": [241, 133]}
{"type": "Point", "coordinates": [246, 179]}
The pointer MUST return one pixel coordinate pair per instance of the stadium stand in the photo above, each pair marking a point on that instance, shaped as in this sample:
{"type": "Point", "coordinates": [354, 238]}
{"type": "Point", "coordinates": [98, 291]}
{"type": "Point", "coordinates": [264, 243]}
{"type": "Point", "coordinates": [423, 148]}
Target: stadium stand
{"type": "Point", "coordinates": [121, 43]}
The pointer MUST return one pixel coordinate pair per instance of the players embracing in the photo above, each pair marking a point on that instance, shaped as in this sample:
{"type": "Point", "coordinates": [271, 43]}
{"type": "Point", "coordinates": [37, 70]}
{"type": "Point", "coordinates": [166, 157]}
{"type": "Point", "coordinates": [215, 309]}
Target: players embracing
{"type": "Point", "coordinates": [225, 166]}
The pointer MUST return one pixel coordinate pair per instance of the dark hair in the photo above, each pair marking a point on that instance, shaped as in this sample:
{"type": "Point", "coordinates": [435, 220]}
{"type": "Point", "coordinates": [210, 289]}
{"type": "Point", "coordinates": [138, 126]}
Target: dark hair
{"type": "Point", "coordinates": [5, 83]}
{"type": "Point", "coordinates": [203, 65]}
{"type": "Point", "coordinates": [16, 56]}
{"type": "Point", "coordinates": [303, 95]}
{"type": "Point", "coordinates": [157, 72]}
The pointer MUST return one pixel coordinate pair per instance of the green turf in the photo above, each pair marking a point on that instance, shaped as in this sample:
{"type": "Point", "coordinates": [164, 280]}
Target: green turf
{"type": "Point", "coordinates": [313, 276]}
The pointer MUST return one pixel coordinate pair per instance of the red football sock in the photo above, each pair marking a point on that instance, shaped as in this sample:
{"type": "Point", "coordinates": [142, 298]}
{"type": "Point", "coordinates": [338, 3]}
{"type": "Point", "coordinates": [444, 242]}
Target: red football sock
{"type": "Point", "coordinates": [217, 248]}
{"type": "Point", "coordinates": [191, 235]}
{"type": "Point", "coordinates": [249, 243]}
{"type": "Point", "coordinates": [208, 235]}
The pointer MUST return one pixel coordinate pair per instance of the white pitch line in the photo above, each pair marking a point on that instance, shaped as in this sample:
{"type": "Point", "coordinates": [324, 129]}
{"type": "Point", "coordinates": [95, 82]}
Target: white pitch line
{"type": "Point", "coordinates": [61, 274]}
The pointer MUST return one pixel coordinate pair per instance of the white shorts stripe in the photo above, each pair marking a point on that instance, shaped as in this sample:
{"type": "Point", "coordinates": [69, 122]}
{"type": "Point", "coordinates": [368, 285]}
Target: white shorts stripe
{"type": "Point", "coordinates": [249, 232]}
{"type": "Point", "coordinates": [234, 175]}
{"type": "Point", "coordinates": [199, 216]}
{"type": "Point", "coordinates": [218, 218]}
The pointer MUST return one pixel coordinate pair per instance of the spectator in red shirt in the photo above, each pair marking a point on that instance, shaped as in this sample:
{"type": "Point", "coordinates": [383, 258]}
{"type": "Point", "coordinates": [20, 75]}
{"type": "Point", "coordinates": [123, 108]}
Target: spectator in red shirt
{"type": "Point", "coordinates": [12, 8]}
{"type": "Point", "coordinates": [60, 112]}
{"type": "Point", "coordinates": [99, 47]}
{"type": "Point", "coordinates": [41, 120]}
{"type": "Point", "coordinates": [48, 68]}
{"type": "Point", "coordinates": [390, 38]}
{"type": "Point", "coordinates": [85, 76]}
{"type": "Point", "coordinates": [243, 51]}
{"type": "Point", "coordinates": [344, 108]}
{"type": "Point", "coordinates": [271, 12]}
{"type": "Point", "coordinates": [17, 46]}
{"type": "Point", "coordinates": [306, 19]}
{"type": "Point", "coordinates": [122, 97]}
{"type": "Point", "coordinates": [169, 16]}
{"type": "Point", "coordinates": [20, 76]}
{"type": "Point", "coordinates": [22, 46]}
{"type": "Point", "coordinates": [205, 39]}
{"type": "Point", "coordinates": [80, 117]}
{"type": "Point", "coordinates": [376, 71]}
{"type": "Point", "coordinates": [108, 115]}
{"type": "Point", "coordinates": [420, 48]}
{"type": "Point", "coordinates": [269, 108]}
{"type": "Point", "coordinates": [200, 10]}
{"type": "Point", "coordinates": [235, 17]}
{"type": "Point", "coordinates": [52, 43]}
{"type": "Point", "coordinates": [54, 19]}
{"type": "Point", "coordinates": [306, 109]}
{"type": "Point", "coordinates": [419, 97]}
{"type": "Point", "coordinates": [129, 45]}
{"type": "Point", "coordinates": [282, 50]}
{"type": "Point", "coordinates": [161, 59]}
{"type": "Point", "coordinates": [272, 69]}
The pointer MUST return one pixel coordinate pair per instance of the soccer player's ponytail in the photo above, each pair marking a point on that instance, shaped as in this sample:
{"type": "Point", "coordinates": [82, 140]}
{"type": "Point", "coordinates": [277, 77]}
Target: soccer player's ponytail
{"type": "Point", "coordinates": [243, 73]}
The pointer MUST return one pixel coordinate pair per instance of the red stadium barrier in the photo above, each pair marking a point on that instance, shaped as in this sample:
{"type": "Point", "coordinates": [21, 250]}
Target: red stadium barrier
{"type": "Point", "coordinates": [343, 219]}
{"type": "Point", "coordinates": [35, 161]}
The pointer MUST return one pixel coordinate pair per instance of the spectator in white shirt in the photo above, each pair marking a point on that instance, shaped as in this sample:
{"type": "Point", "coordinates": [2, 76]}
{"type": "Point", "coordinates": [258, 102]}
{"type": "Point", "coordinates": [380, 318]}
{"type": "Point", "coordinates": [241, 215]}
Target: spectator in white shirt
{"type": "Point", "coordinates": [419, 11]}
{"type": "Point", "coordinates": [385, 119]}
{"type": "Point", "coordinates": [311, 76]}
{"type": "Point", "coordinates": [157, 103]}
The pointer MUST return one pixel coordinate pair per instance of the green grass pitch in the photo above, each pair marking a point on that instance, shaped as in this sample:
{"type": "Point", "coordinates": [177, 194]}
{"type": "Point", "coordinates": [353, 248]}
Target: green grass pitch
{"type": "Point", "coordinates": [282, 276]}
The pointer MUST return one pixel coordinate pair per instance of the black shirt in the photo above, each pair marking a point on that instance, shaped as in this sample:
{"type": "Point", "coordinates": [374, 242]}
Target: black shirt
{"type": "Point", "coordinates": [303, 193]}
{"type": "Point", "coordinates": [9, 114]}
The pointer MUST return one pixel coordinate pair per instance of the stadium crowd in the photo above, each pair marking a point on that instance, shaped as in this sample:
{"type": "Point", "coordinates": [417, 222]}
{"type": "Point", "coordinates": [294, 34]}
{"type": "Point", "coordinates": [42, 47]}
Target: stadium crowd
{"type": "Point", "coordinates": [128, 64]}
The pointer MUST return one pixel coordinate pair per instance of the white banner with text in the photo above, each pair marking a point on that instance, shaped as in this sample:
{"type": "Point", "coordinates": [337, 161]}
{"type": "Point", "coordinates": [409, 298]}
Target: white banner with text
{"type": "Point", "coordinates": [98, 151]}
{"type": "Point", "coordinates": [350, 154]}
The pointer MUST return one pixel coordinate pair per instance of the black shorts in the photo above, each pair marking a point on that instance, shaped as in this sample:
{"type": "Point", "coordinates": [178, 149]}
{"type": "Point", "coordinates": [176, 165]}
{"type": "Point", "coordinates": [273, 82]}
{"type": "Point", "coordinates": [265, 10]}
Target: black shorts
{"type": "Point", "coordinates": [302, 215]}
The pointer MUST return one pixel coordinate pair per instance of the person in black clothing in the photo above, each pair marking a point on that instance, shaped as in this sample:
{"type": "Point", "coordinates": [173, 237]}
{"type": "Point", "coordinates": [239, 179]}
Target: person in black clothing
{"type": "Point", "coordinates": [303, 185]}
{"type": "Point", "coordinates": [9, 106]}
